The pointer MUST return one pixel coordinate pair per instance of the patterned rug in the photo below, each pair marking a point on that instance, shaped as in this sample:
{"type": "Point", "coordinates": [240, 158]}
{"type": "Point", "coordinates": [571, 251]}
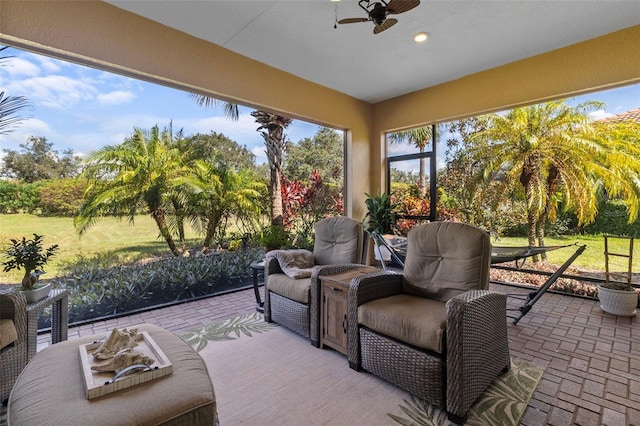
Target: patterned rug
{"type": "Point", "coordinates": [265, 374]}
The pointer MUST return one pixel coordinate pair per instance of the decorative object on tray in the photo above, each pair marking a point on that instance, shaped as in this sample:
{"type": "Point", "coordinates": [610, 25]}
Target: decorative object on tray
{"type": "Point", "coordinates": [117, 341]}
{"type": "Point", "coordinates": [125, 359]}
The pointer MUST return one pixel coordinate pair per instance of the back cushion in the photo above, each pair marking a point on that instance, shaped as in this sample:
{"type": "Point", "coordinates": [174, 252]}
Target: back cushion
{"type": "Point", "coordinates": [445, 259]}
{"type": "Point", "coordinates": [338, 240]}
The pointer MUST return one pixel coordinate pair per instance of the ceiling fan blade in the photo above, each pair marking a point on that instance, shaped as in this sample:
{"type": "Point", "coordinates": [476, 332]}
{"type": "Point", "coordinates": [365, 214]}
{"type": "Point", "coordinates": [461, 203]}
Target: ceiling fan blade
{"type": "Point", "coordinates": [352, 20]}
{"type": "Point", "coordinates": [385, 25]}
{"type": "Point", "coordinates": [401, 6]}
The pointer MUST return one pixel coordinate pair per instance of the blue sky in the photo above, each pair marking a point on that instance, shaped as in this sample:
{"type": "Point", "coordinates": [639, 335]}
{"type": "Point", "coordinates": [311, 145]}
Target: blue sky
{"type": "Point", "coordinates": [84, 109]}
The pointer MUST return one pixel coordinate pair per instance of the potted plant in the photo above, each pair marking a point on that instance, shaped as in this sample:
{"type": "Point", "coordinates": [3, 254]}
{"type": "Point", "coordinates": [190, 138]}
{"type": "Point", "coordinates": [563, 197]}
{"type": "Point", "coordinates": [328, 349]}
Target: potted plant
{"type": "Point", "coordinates": [617, 298]}
{"type": "Point", "coordinates": [381, 220]}
{"type": "Point", "coordinates": [32, 256]}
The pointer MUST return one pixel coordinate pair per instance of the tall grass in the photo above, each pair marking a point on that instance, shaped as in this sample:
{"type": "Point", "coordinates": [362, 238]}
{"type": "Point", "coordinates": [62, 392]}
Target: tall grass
{"type": "Point", "coordinates": [119, 240]}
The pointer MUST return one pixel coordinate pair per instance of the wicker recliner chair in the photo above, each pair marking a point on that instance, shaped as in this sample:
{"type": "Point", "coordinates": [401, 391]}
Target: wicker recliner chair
{"type": "Point", "coordinates": [339, 245]}
{"type": "Point", "coordinates": [13, 357]}
{"type": "Point", "coordinates": [434, 330]}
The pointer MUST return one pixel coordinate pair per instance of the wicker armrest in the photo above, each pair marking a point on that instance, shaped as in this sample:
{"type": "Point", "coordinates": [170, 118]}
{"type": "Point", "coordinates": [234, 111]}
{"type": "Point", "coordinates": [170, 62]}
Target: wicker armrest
{"type": "Point", "coordinates": [363, 289]}
{"type": "Point", "coordinates": [376, 285]}
{"type": "Point", "coordinates": [477, 345]}
{"type": "Point", "coordinates": [14, 357]}
{"type": "Point", "coordinates": [319, 270]}
{"type": "Point", "coordinates": [13, 305]}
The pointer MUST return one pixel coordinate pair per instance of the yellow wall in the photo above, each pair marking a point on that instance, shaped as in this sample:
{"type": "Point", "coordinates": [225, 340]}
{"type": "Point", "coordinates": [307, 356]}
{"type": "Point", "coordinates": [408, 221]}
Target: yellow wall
{"type": "Point", "coordinates": [604, 62]}
{"type": "Point", "coordinates": [101, 35]}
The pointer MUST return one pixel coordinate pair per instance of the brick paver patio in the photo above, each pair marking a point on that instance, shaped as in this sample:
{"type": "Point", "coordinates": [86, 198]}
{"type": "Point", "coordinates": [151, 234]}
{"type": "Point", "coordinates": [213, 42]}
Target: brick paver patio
{"type": "Point", "coordinates": [591, 359]}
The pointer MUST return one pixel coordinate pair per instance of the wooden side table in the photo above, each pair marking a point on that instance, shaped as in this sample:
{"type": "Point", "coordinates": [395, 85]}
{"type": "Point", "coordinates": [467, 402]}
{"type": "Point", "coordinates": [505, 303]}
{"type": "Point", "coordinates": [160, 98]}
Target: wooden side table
{"type": "Point", "coordinates": [334, 291]}
{"type": "Point", "coordinates": [58, 299]}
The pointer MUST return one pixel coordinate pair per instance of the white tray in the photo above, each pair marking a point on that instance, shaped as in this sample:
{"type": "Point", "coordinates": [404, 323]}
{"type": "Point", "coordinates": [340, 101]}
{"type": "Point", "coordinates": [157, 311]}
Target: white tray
{"type": "Point", "coordinates": [96, 382]}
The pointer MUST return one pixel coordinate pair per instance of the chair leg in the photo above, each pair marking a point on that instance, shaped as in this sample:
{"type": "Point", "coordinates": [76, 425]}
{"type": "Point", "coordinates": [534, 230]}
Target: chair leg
{"type": "Point", "coordinates": [459, 420]}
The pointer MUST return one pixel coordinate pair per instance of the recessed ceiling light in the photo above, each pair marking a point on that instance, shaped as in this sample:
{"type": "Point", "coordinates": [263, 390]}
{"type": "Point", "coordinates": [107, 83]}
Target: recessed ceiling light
{"type": "Point", "coordinates": [420, 37]}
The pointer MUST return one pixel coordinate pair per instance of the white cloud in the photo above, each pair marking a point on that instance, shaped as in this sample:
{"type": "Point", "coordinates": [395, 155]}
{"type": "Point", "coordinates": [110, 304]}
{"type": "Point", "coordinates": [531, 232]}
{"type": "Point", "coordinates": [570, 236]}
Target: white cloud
{"type": "Point", "coordinates": [26, 129]}
{"type": "Point", "coordinates": [599, 115]}
{"type": "Point", "coordinates": [50, 66]}
{"type": "Point", "coordinates": [18, 67]}
{"type": "Point", "coordinates": [53, 91]}
{"type": "Point", "coordinates": [118, 97]}
{"type": "Point", "coordinates": [261, 155]}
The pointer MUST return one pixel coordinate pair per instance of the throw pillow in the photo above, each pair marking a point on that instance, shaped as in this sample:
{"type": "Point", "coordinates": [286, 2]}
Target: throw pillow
{"type": "Point", "coordinates": [295, 263]}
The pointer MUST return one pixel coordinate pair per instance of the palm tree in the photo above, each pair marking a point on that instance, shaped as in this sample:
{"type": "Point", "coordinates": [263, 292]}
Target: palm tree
{"type": "Point", "coordinates": [420, 137]}
{"type": "Point", "coordinates": [553, 151]}
{"type": "Point", "coordinates": [275, 142]}
{"type": "Point", "coordinates": [223, 193]}
{"type": "Point", "coordinates": [10, 106]}
{"type": "Point", "coordinates": [144, 172]}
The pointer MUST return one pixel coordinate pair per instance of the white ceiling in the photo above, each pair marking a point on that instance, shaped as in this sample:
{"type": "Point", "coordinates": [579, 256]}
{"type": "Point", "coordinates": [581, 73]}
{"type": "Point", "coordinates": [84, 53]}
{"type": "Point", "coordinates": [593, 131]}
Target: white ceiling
{"type": "Point", "coordinates": [466, 36]}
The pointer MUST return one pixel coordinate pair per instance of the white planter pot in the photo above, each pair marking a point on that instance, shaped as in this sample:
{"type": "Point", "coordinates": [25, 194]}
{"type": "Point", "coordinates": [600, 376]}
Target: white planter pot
{"type": "Point", "coordinates": [382, 253]}
{"type": "Point", "coordinates": [618, 302]}
{"type": "Point", "coordinates": [36, 294]}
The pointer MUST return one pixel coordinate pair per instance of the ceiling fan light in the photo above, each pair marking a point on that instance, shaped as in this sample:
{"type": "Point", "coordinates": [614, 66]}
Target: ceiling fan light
{"type": "Point", "coordinates": [420, 37]}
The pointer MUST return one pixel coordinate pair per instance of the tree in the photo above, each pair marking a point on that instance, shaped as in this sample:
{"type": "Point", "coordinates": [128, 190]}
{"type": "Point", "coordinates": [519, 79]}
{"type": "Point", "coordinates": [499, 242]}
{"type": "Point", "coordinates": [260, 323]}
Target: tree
{"type": "Point", "coordinates": [323, 153]}
{"type": "Point", "coordinates": [218, 148]}
{"type": "Point", "coordinates": [272, 128]}
{"type": "Point", "coordinates": [420, 137]}
{"type": "Point", "coordinates": [223, 193]}
{"type": "Point", "coordinates": [556, 154]}
{"type": "Point", "coordinates": [10, 106]}
{"type": "Point", "coordinates": [491, 204]}
{"type": "Point", "coordinates": [38, 161]}
{"type": "Point", "coordinates": [144, 172]}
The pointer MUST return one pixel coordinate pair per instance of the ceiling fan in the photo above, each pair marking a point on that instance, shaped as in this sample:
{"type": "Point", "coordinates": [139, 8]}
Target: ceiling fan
{"type": "Point", "coordinates": [377, 12]}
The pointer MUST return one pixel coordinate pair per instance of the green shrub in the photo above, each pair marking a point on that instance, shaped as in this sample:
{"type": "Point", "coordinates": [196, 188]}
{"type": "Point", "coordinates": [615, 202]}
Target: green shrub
{"type": "Point", "coordinates": [17, 197]}
{"type": "Point", "coordinates": [613, 219]}
{"type": "Point", "coordinates": [61, 197]}
{"type": "Point", "coordinates": [96, 292]}
{"type": "Point", "coordinates": [274, 237]}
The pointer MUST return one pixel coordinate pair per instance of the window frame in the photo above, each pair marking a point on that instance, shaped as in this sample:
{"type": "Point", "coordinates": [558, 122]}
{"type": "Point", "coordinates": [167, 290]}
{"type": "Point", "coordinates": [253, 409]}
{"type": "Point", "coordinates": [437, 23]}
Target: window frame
{"type": "Point", "coordinates": [431, 155]}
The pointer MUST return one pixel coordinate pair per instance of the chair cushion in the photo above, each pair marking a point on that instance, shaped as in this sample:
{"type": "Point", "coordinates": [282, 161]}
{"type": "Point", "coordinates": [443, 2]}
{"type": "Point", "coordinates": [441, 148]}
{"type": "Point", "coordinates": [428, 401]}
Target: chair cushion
{"type": "Point", "coordinates": [8, 332]}
{"type": "Point", "coordinates": [295, 263]}
{"type": "Point", "coordinates": [337, 240]}
{"type": "Point", "coordinates": [415, 320]}
{"type": "Point", "coordinates": [445, 259]}
{"type": "Point", "coordinates": [298, 289]}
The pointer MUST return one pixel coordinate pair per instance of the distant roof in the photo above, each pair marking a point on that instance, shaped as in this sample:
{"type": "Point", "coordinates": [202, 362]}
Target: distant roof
{"type": "Point", "coordinates": [633, 115]}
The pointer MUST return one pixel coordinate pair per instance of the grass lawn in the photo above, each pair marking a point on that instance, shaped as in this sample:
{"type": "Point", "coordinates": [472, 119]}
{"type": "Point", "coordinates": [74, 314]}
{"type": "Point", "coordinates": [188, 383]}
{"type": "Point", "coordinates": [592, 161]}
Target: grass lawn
{"type": "Point", "coordinates": [129, 242]}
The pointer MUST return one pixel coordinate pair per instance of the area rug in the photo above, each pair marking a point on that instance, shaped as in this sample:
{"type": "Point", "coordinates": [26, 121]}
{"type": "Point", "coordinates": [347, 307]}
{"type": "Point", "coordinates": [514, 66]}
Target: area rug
{"type": "Point", "coordinates": [265, 374]}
